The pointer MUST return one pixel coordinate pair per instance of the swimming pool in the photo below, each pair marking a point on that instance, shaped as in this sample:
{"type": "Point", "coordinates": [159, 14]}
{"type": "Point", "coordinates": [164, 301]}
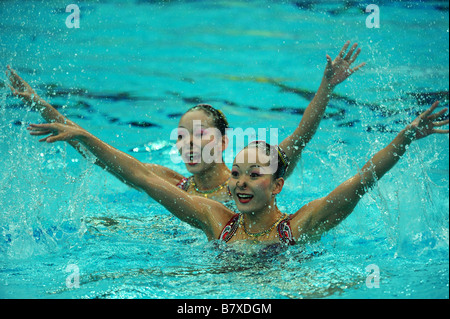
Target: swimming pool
{"type": "Point", "coordinates": [69, 230]}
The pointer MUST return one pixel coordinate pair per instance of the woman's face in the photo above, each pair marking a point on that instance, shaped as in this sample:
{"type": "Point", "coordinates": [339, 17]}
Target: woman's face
{"type": "Point", "coordinates": [251, 186]}
{"type": "Point", "coordinates": [199, 142]}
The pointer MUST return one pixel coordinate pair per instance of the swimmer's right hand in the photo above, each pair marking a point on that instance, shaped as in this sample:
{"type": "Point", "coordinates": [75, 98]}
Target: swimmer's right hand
{"type": "Point", "coordinates": [20, 88]}
{"type": "Point", "coordinates": [58, 132]}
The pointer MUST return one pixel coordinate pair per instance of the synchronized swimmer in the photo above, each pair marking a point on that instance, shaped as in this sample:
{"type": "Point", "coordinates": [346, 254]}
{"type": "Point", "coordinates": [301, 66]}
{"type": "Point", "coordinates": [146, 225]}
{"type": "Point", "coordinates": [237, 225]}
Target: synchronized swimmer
{"type": "Point", "coordinates": [211, 179]}
{"type": "Point", "coordinates": [251, 184]}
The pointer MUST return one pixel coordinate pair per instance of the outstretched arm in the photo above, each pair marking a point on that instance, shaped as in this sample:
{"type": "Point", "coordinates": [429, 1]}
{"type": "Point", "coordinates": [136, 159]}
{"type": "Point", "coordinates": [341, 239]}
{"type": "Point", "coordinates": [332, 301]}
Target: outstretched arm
{"type": "Point", "coordinates": [336, 71]}
{"type": "Point", "coordinates": [194, 210]}
{"type": "Point", "coordinates": [25, 92]}
{"type": "Point", "coordinates": [20, 88]}
{"type": "Point", "coordinates": [325, 213]}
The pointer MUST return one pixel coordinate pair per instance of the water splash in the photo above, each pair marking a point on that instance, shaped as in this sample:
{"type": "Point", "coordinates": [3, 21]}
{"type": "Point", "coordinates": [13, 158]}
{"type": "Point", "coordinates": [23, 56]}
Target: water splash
{"type": "Point", "coordinates": [43, 193]}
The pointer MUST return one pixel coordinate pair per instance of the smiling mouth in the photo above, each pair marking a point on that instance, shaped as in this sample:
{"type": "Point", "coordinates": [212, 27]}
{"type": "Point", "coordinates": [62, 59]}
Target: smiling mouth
{"type": "Point", "coordinates": [244, 198]}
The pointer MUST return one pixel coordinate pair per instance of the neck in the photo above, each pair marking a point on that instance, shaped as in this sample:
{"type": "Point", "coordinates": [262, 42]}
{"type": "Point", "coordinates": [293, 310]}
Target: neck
{"type": "Point", "coordinates": [217, 175]}
{"type": "Point", "coordinates": [261, 221]}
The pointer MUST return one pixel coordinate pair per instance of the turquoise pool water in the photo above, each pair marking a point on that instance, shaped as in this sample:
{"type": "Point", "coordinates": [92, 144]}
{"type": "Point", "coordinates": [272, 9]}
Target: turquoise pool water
{"type": "Point", "coordinates": [129, 71]}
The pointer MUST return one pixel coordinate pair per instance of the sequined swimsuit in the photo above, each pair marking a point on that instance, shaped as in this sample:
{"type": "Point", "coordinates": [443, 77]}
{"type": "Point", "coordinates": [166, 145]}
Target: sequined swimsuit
{"type": "Point", "coordinates": [184, 183]}
{"type": "Point", "coordinates": [283, 229]}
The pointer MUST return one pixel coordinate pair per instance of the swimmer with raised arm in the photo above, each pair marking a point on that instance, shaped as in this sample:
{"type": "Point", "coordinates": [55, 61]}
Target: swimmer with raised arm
{"type": "Point", "coordinates": [211, 179]}
{"type": "Point", "coordinates": [253, 186]}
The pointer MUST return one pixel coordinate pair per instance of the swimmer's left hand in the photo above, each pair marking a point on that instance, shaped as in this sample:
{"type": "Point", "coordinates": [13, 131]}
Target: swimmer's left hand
{"type": "Point", "coordinates": [57, 131]}
{"type": "Point", "coordinates": [339, 69]}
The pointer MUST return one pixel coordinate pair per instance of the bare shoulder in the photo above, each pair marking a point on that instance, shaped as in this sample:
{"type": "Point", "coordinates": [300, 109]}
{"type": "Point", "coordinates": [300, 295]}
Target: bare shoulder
{"type": "Point", "coordinates": [217, 216]}
{"type": "Point", "coordinates": [165, 173]}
